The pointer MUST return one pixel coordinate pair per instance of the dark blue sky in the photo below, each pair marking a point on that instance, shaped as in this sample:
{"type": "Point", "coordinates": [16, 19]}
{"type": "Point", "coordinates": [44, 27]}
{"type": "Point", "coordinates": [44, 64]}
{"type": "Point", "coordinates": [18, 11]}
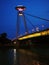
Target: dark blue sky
{"type": "Point", "coordinates": [8, 15]}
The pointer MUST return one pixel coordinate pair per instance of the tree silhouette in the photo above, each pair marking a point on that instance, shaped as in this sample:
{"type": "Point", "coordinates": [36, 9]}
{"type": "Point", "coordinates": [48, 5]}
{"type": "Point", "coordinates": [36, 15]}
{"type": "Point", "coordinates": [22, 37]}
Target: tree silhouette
{"type": "Point", "coordinates": [4, 39]}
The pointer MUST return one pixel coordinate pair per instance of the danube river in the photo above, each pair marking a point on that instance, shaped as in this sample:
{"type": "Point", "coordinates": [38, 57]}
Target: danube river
{"type": "Point", "coordinates": [24, 57]}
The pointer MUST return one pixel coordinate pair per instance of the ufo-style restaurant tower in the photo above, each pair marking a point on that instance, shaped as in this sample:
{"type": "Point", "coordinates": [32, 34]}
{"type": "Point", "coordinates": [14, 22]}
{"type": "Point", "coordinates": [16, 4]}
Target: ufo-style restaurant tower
{"type": "Point", "coordinates": [20, 9]}
{"type": "Point", "coordinates": [37, 35]}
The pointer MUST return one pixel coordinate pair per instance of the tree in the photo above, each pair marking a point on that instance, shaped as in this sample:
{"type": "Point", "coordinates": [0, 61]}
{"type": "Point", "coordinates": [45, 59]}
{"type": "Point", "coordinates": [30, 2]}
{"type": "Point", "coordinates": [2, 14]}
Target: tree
{"type": "Point", "coordinates": [4, 39]}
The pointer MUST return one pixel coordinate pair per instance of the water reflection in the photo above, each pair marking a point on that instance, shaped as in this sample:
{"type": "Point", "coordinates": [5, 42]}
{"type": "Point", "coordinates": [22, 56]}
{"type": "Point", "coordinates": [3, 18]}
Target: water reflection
{"type": "Point", "coordinates": [20, 57]}
{"type": "Point", "coordinates": [14, 56]}
{"type": "Point", "coordinates": [6, 56]}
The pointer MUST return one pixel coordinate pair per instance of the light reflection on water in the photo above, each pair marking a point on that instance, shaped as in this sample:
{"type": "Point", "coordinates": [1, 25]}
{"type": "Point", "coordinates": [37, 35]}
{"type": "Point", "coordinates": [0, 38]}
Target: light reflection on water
{"type": "Point", "coordinates": [14, 56]}
{"type": "Point", "coordinates": [11, 57]}
{"type": "Point", "coordinates": [7, 56]}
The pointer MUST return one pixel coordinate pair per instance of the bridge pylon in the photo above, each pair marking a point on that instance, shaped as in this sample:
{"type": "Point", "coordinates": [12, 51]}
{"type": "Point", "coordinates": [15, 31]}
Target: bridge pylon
{"type": "Point", "coordinates": [20, 9]}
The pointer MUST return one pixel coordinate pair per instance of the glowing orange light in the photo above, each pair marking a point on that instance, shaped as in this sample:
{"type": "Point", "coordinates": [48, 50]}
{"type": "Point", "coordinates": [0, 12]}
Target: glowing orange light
{"type": "Point", "coordinates": [34, 35]}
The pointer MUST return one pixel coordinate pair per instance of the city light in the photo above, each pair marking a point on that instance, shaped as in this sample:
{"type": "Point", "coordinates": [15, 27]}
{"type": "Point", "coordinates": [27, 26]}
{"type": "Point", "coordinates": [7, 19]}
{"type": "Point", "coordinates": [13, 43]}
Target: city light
{"type": "Point", "coordinates": [34, 35]}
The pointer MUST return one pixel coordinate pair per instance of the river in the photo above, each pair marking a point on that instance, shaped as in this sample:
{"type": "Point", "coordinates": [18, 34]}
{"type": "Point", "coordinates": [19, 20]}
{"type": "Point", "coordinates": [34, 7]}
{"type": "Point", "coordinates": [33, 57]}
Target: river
{"type": "Point", "coordinates": [22, 57]}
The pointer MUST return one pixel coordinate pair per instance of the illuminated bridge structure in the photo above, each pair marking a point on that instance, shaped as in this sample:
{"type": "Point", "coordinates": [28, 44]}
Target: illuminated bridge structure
{"type": "Point", "coordinates": [37, 35]}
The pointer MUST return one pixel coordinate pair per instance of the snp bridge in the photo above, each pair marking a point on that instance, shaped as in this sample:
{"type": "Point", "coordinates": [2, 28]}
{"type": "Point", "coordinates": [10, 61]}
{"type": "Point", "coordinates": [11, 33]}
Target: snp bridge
{"type": "Point", "coordinates": [30, 31]}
